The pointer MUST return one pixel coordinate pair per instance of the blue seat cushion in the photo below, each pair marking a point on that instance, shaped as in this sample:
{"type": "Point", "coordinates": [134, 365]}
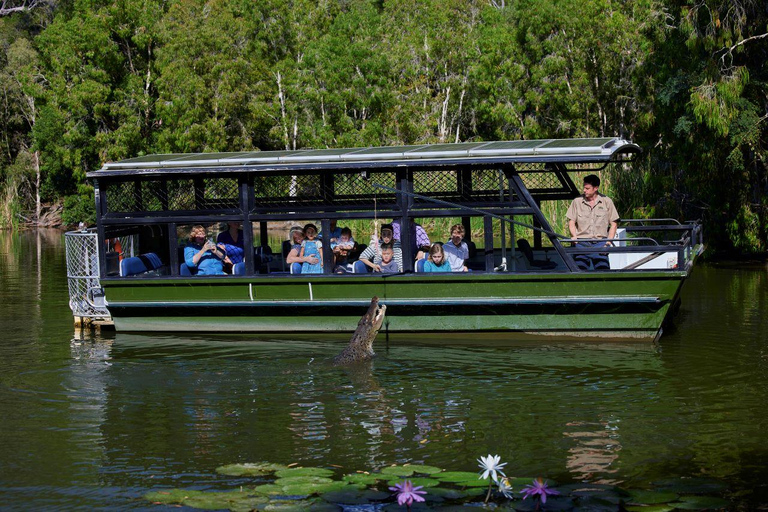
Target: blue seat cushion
{"type": "Point", "coordinates": [140, 264]}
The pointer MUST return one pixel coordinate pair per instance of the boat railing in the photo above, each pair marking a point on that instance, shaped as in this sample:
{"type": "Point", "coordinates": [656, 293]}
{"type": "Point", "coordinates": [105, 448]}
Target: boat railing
{"type": "Point", "coordinates": [646, 252]}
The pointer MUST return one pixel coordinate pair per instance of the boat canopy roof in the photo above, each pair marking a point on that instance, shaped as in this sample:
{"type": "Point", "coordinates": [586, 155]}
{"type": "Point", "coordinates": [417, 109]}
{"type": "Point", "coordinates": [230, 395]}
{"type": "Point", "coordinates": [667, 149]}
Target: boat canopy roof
{"type": "Point", "coordinates": [588, 150]}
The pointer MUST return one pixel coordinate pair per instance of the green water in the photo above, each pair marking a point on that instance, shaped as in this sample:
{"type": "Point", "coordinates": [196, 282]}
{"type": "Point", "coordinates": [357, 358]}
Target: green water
{"type": "Point", "coordinates": [97, 421]}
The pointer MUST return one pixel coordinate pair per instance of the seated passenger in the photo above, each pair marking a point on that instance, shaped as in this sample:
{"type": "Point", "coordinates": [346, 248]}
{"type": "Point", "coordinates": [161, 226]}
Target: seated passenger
{"type": "Point", "coordinates": [371, 256]}
{"type": "Point", "coordinates": [456, 250]}
{"type": "Point", "coordinates": [419, 238]}
{"type": "Point", "coordinates": [344, 245]}
{"type": "Point", "coordinates": [204, 255]}
{"type": "Point", "coordinates": [232, 239]}
{"type": "Point", "coordinates": [345, 240]}
{"type": "Point", "coordinates": [296, 236]}
{"type": "Point", "coordinates": [436, 261]}
{"type": "Point", "coordinates": [311, 247]}
{"type": "Point", "coordinates": [334, 236]}
{"type": "Point", "coordinates": [388, 265]}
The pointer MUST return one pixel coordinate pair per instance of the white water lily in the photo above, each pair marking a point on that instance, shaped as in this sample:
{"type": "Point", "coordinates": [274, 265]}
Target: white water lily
{"type": "Point", "coordinates": [491, 465]}
{"type": "Point", "coordinates": [505, 488]}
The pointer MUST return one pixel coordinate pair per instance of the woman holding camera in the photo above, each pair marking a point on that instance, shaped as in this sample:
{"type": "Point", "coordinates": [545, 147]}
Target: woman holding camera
{"type": "Point", "coordinates": [204, 255]}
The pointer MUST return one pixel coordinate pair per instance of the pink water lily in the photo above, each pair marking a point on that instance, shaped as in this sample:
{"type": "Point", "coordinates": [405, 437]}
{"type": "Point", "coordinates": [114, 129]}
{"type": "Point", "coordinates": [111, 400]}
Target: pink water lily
{"type": "Point", "coordinates": [539, 488]}
{"type": "Point", "coordinates": [406, 493]}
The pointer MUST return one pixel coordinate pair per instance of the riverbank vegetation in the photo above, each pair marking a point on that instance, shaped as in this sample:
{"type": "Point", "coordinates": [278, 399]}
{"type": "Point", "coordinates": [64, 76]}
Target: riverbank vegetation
{"type": "Point", "coordinates": [84, 82]}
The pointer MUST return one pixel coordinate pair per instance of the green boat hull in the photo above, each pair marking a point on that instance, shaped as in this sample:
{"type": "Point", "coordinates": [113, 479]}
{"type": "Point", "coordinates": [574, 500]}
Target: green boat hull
{"type": "Point", "coordinates": [612, 304]}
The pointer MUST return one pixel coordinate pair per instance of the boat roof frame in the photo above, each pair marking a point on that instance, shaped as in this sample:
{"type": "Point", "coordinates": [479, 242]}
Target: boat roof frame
{"type": "Point", "coordinates": [602, 150]}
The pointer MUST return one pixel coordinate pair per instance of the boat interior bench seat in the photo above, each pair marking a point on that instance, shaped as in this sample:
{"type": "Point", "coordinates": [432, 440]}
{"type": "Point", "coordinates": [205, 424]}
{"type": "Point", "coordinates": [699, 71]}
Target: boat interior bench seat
{"type": "Point", "coordinates": [148, 264]}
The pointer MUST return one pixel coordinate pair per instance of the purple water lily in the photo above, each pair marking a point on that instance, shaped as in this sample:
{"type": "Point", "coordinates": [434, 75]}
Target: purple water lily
{"type": "Point", "coordinates": [406, 493]}
{"type": "Point", "coordinates": [539, 487]}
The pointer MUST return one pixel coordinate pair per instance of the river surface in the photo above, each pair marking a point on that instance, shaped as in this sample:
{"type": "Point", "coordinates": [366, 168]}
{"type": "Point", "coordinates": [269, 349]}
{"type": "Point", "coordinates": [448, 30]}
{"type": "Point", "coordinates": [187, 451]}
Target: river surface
{"type": "Point", "coordinates": [96, 421]}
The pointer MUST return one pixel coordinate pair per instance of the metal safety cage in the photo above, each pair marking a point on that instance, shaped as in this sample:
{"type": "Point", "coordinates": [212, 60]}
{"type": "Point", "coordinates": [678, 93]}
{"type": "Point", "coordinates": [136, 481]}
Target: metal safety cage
{"type": "Point", "coordinates": [86, 298]}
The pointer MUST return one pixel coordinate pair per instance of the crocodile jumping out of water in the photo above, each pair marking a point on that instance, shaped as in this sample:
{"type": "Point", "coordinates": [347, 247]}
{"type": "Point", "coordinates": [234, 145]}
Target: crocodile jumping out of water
{"type": "Point", "coordinates": [360, 347]}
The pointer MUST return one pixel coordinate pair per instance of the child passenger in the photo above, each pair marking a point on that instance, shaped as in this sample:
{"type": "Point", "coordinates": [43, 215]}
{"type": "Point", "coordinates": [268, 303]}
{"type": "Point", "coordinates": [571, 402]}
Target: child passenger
{"type": "Point", "coordinates": [436, 261]}
{"type": "Point", "coordinates": [456, 249]}
{"type": "Point", "coordinates": [345, 240]}
{"type": "Point", "coordinates": [388, 265]}
{"type": "Point", "coordinates": [311, 247]}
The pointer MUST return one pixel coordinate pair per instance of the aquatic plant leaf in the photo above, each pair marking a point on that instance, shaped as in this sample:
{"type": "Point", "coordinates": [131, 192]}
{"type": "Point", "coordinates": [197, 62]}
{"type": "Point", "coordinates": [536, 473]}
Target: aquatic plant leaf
{"type": "Point", "coordinates": [690, 485]}
{"type": "Point", "coordinates": [475, 482]}
{"type": "Point", "coordinates": [651, 497]}
{"type": "Point", "coordinates": [310, 488]}
{"type": "Point", "coordinates": [474, 491]}
{"type": "Point", "coordinates": [394, 507]}
{"type": "Point", "coordinates": [554, 503]}
{"type": "Point", "coordinates": [422, 481]}
{"type": "Point", "coordinates": [268, 489]}
{"type": "Point", "coordinates": [250, 469]}
{"type": "Point", "coordinates": [363, 478]}
{"type": "Point", "coordinates": [172, 496]}
{"type": "Point", "coordinates": [248, 504]}
{"type": "Point", "coordinates": [701, 503]}
{"type": "Point", "coordinates": [286, 473]}
{"type": "Point", "coordinates": [458, 476]}
{"type": "Point", "coordinates": [397, 471]}
{"type": "Point", "coordinates": [448, 494]}
{"type": "Point", "coordinates": [287, 506]}
{"type": "Point", "coordinates": [650, 508]}
{"type": "Point", "coordinates": [312, 505]}
{"type": "Point", "coordinates": [302, 480]}
{"type": "Point", "coordinates": [220, 500]}
{"type": "Point", "coordinates": [355, 496]}
{"type": "Point", "coordinates": [420, 469]}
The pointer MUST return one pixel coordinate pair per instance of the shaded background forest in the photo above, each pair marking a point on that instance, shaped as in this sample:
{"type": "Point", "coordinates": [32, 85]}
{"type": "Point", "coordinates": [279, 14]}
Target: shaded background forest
{"type": "Point", "coordinates": [88, 81]}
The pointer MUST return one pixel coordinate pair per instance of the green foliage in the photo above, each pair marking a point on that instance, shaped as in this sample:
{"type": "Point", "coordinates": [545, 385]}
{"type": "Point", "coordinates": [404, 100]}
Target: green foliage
{"type": "Point", "coordinates": [79, 208]}
{"type": "Point", "coordinates": [96, 81]}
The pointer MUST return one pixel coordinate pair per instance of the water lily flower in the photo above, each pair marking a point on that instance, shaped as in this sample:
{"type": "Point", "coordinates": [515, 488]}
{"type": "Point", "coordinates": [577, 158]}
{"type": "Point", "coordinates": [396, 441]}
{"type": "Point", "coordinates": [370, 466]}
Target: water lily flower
{"type": "Point", "coordinates": [491, 466]}
{"type": "Point", "coordinates": [505, 488]}
{"type": "Point", "coordinates": [406, 493]}
{"type": "Point", "coordinates": [539, 487]}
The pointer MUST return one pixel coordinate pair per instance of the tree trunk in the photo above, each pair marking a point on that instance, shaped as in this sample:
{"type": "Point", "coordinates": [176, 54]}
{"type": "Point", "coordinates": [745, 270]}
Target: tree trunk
{"type": "Point", "coordinates": [38, 208]}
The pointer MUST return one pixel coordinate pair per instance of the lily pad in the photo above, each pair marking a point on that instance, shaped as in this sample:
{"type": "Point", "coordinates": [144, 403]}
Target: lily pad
{"type": "Point", "coordinates": [268, 489]}
{"type": "Point", "coordinates": [420, 469]}
{"type": "Point", "coordinates": [172, 496]}
{"type": "Point", "coordinates": [651, 497]}
{"type": "Point", "coordinates": [248, 504]}
{"type": "Point", "coordinates": [302, 480]}
{"type": "Point", "coordinates": [287, 505]}
{"type": "Point", "coordinates": [397, 471]}
{"type": "Point", "coordinates": [364, 478]}
{"type": "Point", "coordinates": [690, 485]}
{"type": "Point", "coordinates": [394, 507]}
{"type": "Point", "coordinates": [475, 482]}
{"type": "Point", "coordinates": [474, 491]}
{"type": "Point", "coordinates": [448, 494]}
{"type": "Point", "coordinates": [701, 503]}
{"type": "Point", "coordinates": [422, 481]}
{"type": "Point", "coordinates": [220, 500]}
{"type": "Point", "coordinates": [456, 476]}
{"type": "Point", "coordinates": [250, 469]}
{"type": "Point", "coordinates": [308, 488]}
{"type": "Point", "coordinates": [355, 496]}
{"type": "Point", "coordinates": [650, 508]}
{"type": "Point", "coordinates": [290, 472]}
{"type": "Point", "coordinates": [554, 503]}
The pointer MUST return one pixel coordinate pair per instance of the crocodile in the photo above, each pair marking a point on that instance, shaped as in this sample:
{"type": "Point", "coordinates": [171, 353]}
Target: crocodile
{"type": "Point", "coordinates": [360, 346]}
